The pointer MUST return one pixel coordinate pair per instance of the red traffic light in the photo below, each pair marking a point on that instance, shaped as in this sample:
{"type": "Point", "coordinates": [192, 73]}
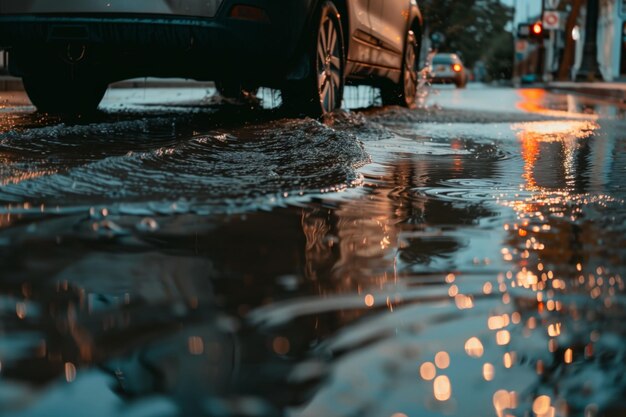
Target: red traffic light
{"type": "Point", "coordinates": [532, 31]}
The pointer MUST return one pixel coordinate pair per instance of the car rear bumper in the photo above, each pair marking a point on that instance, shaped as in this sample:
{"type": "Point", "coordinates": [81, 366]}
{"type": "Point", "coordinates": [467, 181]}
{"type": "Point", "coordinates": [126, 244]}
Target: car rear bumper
{"type": "Point", "coordinates": [128, 31]}
{"type": "Point", "coordinates": [447, 79]}
{"type": "Point", "coordinates": [140, 44]}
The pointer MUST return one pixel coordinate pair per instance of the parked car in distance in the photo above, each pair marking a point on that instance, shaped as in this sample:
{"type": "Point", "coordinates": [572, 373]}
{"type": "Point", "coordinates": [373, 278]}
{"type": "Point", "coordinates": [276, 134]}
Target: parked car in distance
{"type": "Point", "coordinates": [68, 51]}
{"type": "Point", "coordinates": [448, 69]}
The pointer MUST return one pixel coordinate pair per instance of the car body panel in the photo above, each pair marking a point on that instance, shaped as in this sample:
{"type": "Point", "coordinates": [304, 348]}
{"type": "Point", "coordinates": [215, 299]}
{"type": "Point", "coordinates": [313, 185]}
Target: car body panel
{"type": "Point", "coordinates": [359, 22]}
{"type": "Point", "coordinates": [389, 23]}
{"type": "Point", "coordinates": [198, 8]}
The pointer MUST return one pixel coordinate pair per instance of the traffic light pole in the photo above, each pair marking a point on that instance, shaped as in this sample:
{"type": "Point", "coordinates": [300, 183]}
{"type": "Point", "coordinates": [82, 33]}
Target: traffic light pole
{"type": "Point", "coordinates": [589, 68]}
{"type": "Point", "coordinates": [541, 59]}
{"type": "Point", "coordinates": [541, 50]}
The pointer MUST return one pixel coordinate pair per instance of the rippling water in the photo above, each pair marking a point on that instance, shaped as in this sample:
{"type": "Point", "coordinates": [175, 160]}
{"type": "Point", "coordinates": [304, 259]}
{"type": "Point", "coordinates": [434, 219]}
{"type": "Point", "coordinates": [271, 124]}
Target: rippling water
{"type": "Point", "coordinates": [383, 263]}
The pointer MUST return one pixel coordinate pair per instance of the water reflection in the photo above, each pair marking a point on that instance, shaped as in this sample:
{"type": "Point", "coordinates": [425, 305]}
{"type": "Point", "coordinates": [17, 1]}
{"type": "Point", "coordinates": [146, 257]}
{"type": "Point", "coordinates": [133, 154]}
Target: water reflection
{"type": "Point", "coordinates": [561, 265]}
{"type": "Point", "coordinates": [155, 327]}
{"type": "Point", "coordinates": [544, 333]}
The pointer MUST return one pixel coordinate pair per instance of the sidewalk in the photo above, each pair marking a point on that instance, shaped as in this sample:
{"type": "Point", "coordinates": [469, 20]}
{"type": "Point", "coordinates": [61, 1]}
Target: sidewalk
{"type": "Point", "coordinates": [614, 91]}
{"type": "Point", "coordinates": [8, 83]}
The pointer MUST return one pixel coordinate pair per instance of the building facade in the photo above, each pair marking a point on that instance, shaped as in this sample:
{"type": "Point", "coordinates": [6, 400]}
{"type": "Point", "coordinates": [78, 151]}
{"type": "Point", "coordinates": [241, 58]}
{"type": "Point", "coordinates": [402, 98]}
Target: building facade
{"type": "Point", "coordinates": [611, 40]}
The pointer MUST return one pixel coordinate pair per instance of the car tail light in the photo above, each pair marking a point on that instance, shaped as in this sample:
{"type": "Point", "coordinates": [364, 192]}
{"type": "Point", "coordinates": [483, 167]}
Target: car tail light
{"type": "Point", "coordinates": [457, 67]}
{"type": "Point", "coordinates": [243, 12]}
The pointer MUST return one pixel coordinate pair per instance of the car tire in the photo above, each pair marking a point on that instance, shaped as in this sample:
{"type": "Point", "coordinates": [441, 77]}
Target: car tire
{"type": "Point", "coordinates": [64, 96]}
{"type": "Point", "coordinates": [404, 93]}
{"type": "Point", "coordinates": [321, 91]}
{"type": "Point", "coordinates": [231, 89]}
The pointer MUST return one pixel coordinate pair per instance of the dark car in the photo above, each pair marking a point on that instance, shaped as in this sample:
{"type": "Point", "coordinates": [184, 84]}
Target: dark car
{"type": "Point", "coordinates": [68, 51]}
{"type": "Point", "coordinates": [448, 69]}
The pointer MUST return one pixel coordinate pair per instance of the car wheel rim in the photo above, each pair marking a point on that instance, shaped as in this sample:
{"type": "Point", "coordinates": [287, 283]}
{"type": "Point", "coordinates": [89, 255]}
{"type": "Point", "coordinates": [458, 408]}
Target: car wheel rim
{"type": "Point", "coordinates": [328, 64]}
{"type": "Point", "coordinates": [410, 72]}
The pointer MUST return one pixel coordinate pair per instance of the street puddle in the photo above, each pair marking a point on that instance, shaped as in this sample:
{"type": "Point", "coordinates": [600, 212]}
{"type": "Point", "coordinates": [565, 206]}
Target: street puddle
{"type": "Point", "coordinates": [427, 269]}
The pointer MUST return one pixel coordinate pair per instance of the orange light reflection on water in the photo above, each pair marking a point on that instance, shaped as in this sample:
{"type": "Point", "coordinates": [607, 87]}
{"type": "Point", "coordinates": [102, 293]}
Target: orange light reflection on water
{"type": "Point", "coordinates": [532, 135]}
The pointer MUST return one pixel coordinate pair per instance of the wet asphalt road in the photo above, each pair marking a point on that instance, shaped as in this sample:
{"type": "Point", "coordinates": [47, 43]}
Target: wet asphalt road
{"type": "Point", "coordinates": [178, 255]}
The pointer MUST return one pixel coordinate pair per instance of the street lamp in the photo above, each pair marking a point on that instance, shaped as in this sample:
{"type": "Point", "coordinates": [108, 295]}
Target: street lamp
{"type": "Point", "coordinates": [589, 68]}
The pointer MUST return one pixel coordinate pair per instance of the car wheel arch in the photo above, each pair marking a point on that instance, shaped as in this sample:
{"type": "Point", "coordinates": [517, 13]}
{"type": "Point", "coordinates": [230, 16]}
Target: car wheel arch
{"type": "Point", "coordinates": [300, 60]}
{"type": "Point", "coordinates": [344, 11]}
{"type": "Point", "coordinates": [343, 7]}
{"type": "Point", "coordinates": [416, 27]}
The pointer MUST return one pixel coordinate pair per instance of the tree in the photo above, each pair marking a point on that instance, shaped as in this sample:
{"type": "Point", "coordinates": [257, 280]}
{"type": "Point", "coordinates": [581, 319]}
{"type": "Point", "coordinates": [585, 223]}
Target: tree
{"type": "Point", "coordinates": [567, 61]}
{"type": "Point", "coordinates": [500, 57]}
{"type": "Point", "coordinates": [473, 28]}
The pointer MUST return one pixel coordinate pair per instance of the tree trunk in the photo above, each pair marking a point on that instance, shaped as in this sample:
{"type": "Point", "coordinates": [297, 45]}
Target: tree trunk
{"type": "Point", "coordinates": [567, 62]}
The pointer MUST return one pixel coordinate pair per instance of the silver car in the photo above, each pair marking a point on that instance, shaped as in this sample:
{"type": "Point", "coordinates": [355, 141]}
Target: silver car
{"type": "Point", "coordinates": [448, 69]}
{"type": "Point", "coordinates": [68, 51]}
